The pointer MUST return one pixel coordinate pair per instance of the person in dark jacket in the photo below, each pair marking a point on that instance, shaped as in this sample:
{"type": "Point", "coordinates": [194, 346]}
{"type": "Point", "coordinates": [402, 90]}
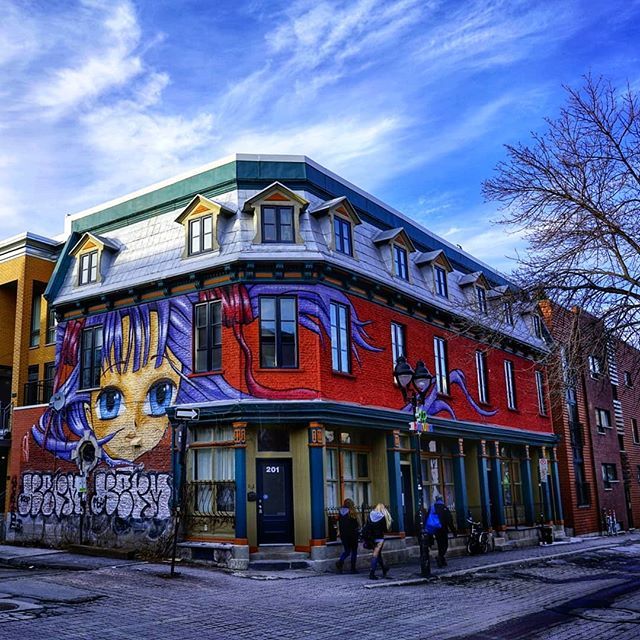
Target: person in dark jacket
{"type": "Point", "coordinates": [378, 523]}
{"type": "Point", "coordinates": [348, 527]}
{"type": "Point", "coordinates": [442, 534]}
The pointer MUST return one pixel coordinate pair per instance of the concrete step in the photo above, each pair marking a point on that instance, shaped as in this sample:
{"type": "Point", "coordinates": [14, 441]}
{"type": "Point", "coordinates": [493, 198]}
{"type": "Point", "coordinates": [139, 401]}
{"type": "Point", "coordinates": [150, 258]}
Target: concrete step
{"type": "Point", "coordinates": [278, 555]}
{"type": "Point", "coordinates": [277, 565]}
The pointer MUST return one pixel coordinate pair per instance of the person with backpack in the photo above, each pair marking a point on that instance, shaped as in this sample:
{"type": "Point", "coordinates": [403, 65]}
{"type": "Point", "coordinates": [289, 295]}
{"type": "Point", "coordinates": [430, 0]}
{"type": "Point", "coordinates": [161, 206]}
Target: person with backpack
{"type": "Point", "coordinates": [438, 525]}
{"type": "Point", "coordinates": [348, 527]}
{"type": "Point", "coordinates": [378, 523]}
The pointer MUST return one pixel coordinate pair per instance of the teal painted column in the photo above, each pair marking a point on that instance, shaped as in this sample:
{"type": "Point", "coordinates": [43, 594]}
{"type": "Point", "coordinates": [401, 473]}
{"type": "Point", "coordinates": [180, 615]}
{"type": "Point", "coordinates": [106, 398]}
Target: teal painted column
{"type": "Point", "coordinates": [395, 481]}
{"type": "Point", "coordinates": [460, 484]}
{"type": "Point", "coordinates": [316, 475]}
{"type": "Point", "coordinates": [496, 489]}
{"type": "Point", "coordinates": [417, 487]}
{"type": "Point", "coordinates": [240, 444]}
{"type": "Point", "coordinates": [527, 487]}
{"type": "Point", "coordinates": [483, 472]}
{"type": "Point", "coordinates": [546, 493]}
{"type": "Point", "coordinates": [557, 497]}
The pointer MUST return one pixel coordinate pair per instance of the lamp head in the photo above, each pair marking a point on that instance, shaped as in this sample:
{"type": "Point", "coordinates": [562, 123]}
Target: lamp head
{"type": "Point", "coordinates": [422, 378]}
{"type": "Point", "coordinates": [403, 372]}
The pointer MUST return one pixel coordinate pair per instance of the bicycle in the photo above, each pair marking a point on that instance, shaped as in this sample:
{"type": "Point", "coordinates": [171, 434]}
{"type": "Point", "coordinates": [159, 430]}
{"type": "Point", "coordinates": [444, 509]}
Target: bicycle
{"type": "Point", "coordinates": [610, 522]}
{"type": "Point", "coordinates": [479, 540]}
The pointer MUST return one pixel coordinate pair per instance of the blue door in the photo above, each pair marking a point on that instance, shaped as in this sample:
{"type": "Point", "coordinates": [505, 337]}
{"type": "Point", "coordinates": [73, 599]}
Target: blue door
{"type": "Point", "coordinates": [275, 501]}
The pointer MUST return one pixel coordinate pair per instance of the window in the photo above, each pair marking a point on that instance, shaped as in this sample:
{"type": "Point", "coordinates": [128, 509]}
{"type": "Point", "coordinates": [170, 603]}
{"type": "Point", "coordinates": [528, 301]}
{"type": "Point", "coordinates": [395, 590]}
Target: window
{"type": "Point", "coordinates": [638, 471]}
{"type": "Point", "coordinates": [603, 420]}
{"type": "Point", "coordinates": [400, 262]}
{"type": "Point", "coordinates": [621, 442]}
{"type": "Point", "coordinates": [537, 326]}
{"type": "Point", "coordinates": [340, 347]}
{"type": "Point", "coordinates": [609, 474]}
{"type": "Point", "coordinates": [212, 474]}
{"type": "Point", "coordinates": [440, 275]}
{"type": "Point", "coordinates": [510, 382]}
{"type": "Point", "coordinates": [628, 381]}
{"type": "Point", "coordinates": [347, 469]}
{"type": "Point", "coordinates": [542, 405]}
{"type": "Point", "coordinates": [481, 299]}
{"type": "Point", "coordinates": [507, 311]}
{"type": "Point", "coordinates": [31, 388]}
{"type": "Point", "coordinates": [273, 438]}
{"type": "Point", "coordinates": [208, 336]}
{"type": "Point", "coordinates": [277, 224]}
{"type": "Point", "coordinates": [91, 358]}
{"type": "Point", "coordinates": [278, 332]}
{"type": "Point", "coordinates": [49, 376]}
{"type": "Point", "coordinates": [442, 370]}
{"type": "Point", "coordinates": [481, 370]}
{"type": "Point", "coordinates": [52, 323]}
{"type": "Point", "coordinates": [437, 476]}
{"type": "Point", "coordinates": [397, 341]}
{"type": "Point", "coordinates": [342, 236]}
{"type": "Point", "coordinates": [595, 366]}
{"type": "Point", "coordinates": [634, 431]}
{"type": "Point", "coordinates": [36, 307]}
{"type": "Point", "coordinates": [200, 235]}
{"type": "Point", "coordinates": [88, 267]}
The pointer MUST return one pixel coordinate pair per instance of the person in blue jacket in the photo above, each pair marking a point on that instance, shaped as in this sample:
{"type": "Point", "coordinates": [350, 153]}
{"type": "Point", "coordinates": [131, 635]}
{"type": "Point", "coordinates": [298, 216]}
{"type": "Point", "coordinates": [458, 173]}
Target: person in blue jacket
{"type": "Point", "coordinates": [441, 535]}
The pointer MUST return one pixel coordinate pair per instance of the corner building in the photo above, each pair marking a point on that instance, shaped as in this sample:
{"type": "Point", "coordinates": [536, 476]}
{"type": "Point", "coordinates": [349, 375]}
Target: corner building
{"type": "Point", "coordinates": [273, 298]}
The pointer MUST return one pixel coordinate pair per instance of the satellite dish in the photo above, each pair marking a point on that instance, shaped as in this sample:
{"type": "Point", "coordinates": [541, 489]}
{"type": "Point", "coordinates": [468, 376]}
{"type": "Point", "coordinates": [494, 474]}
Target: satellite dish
{"type": "Point", "coordinates": [57, 400]}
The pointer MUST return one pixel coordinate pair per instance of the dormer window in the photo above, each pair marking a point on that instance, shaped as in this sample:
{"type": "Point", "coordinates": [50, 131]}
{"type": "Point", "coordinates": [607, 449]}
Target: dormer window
{"type": "Point", "coordinates": [93, 255]}
{"type": "Point", "coordinates": [440, 277]}
{"type": "Point", "coordinates": [342, 238]}
{"type": "Point", "coordinates": [276, 211]}
{"type": "Point", "coordinates": [507, 310]}
{"type": "Point", "coordinates": [277, 224]}
{"type": "Point", "coordinates": [537, 326]}
{"type": "Point", "coordinates": [400, 262]}
{"type": "Point", "coordinates": [481, 299]}
{"type": "Point", "coordinates": [88, 267]}
{"type": "Point", "coordinates": [200, 235]}
{"type": "Point", "coordinates": [395, 246]}
{"type": "Point", "coordinates": [200, 221]}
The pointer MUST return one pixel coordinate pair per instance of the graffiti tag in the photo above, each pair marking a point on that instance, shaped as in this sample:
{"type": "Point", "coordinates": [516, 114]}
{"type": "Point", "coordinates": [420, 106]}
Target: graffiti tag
{"type": "Point", "coordinates": [47, 494]}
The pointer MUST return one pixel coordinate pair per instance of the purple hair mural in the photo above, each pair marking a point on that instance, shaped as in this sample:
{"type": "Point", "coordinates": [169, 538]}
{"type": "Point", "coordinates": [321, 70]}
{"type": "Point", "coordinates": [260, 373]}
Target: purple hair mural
{"type": "Point", "coordinates": [145, 363]}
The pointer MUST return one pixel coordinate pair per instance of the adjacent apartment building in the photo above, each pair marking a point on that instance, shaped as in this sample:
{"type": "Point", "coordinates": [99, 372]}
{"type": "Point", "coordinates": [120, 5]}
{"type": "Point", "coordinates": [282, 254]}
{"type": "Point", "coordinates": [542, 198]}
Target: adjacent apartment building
{"type": "Point", "coordinates": [267, 300]}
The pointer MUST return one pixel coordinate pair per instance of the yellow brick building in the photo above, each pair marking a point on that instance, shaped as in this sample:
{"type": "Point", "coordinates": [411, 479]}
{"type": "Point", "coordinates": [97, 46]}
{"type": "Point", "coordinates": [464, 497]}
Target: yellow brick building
{"type": "Point", "coordinates": [27, 331]}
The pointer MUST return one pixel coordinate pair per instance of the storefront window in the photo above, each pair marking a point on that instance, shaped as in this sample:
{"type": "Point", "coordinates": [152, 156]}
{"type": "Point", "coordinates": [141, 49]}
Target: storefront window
{"type": "Point", "coordinates": [347, 470]}
{"type": "Point", "coordinates": [512, 487]}
{"type": "Point", "coordinates": [437, 475]}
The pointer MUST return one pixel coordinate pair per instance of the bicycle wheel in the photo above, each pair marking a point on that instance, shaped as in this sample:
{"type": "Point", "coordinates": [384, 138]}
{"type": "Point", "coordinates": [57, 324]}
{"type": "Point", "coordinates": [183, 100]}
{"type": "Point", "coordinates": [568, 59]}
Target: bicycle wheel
{"type": "Point", "coordinates": [484, 545]}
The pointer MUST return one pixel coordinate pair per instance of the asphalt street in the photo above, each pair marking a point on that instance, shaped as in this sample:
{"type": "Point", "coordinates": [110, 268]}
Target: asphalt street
{"type": "Point", "coordinates": [585, 591]}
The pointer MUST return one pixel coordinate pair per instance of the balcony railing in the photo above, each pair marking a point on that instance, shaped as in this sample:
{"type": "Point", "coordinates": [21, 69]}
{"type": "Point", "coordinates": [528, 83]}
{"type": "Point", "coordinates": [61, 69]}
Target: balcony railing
{"type": "Point", "coordinates": [38, 392]}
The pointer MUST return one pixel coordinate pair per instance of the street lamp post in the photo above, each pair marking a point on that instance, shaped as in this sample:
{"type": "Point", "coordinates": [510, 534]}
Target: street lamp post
{"type": "Point", "coordinates": [420, 379]}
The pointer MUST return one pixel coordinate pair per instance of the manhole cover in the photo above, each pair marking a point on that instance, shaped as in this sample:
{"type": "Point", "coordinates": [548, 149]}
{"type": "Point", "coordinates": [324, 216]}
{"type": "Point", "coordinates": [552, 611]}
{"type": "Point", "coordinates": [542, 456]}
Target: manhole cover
{"type": "Point", "coordinates": [8, 606]}
{"type": "Point", "coordinates": [610, 615]}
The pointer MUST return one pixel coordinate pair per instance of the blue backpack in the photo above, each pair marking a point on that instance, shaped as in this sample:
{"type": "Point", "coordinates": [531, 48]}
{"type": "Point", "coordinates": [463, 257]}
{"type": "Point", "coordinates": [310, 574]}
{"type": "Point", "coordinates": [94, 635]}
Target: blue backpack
{"type": "Point", "coordinates": [433, 522]}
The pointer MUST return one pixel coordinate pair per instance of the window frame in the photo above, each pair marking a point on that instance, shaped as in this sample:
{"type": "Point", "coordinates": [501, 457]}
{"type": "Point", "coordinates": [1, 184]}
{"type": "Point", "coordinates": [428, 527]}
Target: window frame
{"type": "Point", "coordinates": [401, 262]}
{"type": "Point", "coordinates": [507, 312]}
{"type": "Point", "coordinates": [595, 366]}
{"type": "Point", "coordinates": [341, 224]}
{"type": "Point", "coordinates": [201, 235]}
{"type": "Point", "coordinates": [36, 313]}
{"type": "Point", "coordinates": [599, 413]}
{"type": "Point", "coordinates": [278, 333]}
{"type": "Point", "coordinates": [441, 365]}
{"type": "Point", "coordinates": [481, 299]}
{"type": "Point", "coordinates": [537, 326]}
{"type": "Point", "coordinates": [94, 366]}
{"type": "Point", "coordinates": [278, 209]}
{"type": "Point", "coordinates": [482, 371]}
{"type": "Point", "coordinates": [542, 403]}
{"type": "Point", "coordinates": [607, 478]}
{"type": "Point", "coordinates": [440, 281]}
{"type": "Point", "coordinates": [635, 433]}
{"type": "Point", "coordinates": [510, 385]}
{"type": "Point", "coordinates": [88, 263]}
{"type": "Point", "coordinates": [398, 347]}
{"type": "Point", "coordinates": [52, 325]}
{"type": "Point", "coordinates": [340, 354]}
{"type": "Point", "coordinates": [212, 327]}
{"type": "Point", "coordinates": [336, 480]}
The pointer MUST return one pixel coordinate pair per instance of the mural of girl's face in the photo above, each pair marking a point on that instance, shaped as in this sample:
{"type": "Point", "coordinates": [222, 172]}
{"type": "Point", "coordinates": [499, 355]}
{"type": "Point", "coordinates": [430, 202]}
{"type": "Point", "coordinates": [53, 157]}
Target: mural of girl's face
{"type": "Point", "coordinates": [134, 404]}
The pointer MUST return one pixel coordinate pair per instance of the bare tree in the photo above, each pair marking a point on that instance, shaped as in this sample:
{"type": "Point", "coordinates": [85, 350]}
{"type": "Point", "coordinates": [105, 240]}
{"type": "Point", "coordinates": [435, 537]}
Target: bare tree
{"type": "Point", "coordinates": [574, 192]}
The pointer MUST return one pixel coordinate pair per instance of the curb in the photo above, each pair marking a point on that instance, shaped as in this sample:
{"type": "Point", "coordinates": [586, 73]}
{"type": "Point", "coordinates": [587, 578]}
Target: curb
{"type": "Point", "coordinates": [480, 568]}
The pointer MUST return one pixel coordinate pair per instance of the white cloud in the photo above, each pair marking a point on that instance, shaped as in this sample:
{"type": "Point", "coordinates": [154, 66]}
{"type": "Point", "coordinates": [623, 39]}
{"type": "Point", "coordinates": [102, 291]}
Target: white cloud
{"type": "Point", "coordinates": [111, 63]}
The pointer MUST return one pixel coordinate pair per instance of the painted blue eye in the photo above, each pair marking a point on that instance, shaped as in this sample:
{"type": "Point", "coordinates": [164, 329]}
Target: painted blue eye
{"type": "Point", "coordinates": [110, 404]}
{"type": "Point", "coordinates": [159, 397]}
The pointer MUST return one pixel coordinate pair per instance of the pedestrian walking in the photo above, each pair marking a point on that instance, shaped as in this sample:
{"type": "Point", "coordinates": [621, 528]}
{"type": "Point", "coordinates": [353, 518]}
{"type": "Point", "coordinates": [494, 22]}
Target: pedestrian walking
{"type": "Point", "coordinates": [441, 533]}
{"type": "Point", "coordinates": [348, 527]}
{"type": "Point", "coordinates": [378, 523]}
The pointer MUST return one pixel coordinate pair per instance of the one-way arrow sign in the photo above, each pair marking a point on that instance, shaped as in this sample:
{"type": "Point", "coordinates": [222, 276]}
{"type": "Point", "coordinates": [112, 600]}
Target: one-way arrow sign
{"type": "Point", "coordinates": [188, 414]}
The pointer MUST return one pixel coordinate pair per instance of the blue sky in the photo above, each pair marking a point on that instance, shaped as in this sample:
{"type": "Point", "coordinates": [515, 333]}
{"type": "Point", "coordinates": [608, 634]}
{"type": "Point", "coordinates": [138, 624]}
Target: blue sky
{"type": "Point", "coordinates": [411, 100]}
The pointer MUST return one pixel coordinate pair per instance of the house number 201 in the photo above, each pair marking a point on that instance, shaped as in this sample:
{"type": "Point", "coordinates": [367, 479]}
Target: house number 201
{"type": "Point", "coordinates": [273, 469]}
